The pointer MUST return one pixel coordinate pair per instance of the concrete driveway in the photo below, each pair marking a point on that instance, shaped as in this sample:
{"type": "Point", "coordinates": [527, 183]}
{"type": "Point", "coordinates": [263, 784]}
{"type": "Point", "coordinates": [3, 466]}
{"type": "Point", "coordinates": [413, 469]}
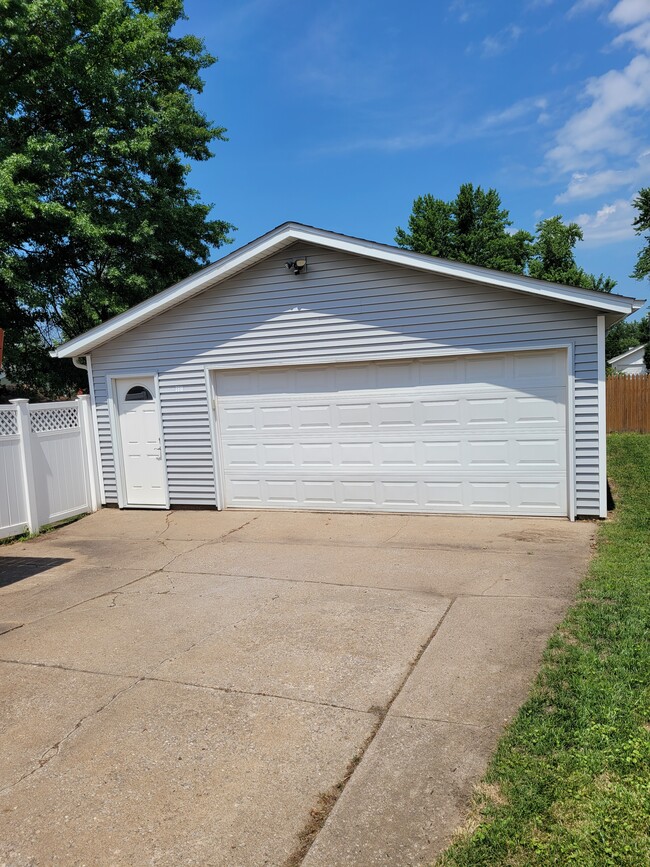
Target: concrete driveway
{"type": "Point", "coordinates": [239, 688]}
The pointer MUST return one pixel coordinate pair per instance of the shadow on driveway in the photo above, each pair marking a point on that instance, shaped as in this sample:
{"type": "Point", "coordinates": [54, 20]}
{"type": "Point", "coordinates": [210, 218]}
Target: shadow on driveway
{"type": "Point", "coordinates": [14, 569]}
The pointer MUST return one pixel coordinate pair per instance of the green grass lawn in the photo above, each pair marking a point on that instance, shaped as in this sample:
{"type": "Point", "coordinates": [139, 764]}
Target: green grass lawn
{"type": "Point", "coordinates": [570, 781]}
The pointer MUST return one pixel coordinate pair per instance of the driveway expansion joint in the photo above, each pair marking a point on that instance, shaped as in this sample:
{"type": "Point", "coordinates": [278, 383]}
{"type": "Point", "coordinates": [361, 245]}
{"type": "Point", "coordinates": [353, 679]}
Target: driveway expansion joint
{"type": "Point", "coordinates": [328, 800]}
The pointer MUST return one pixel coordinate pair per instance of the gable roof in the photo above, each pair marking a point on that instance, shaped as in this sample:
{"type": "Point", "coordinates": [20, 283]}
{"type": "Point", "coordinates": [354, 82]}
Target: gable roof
{"type": "Point", "coordinates": [626, 354]}
{"type": "Point", "coordinates": [617, 306]}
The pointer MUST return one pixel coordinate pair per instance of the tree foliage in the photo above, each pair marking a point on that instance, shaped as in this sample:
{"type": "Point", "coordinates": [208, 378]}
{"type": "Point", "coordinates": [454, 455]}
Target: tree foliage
{"type": "Point", "coordinates": [475, 229]}
{"type": "Point", "coordinates": [97, 123]}
{"type": "Point", "coordinates": [553, 256]}
{"type": "Point", "coordinates": [625, 335]}
{"type": "Point", "coordinates": [472, 228]}
{"type": "Point", "coordinates": [642, 224]}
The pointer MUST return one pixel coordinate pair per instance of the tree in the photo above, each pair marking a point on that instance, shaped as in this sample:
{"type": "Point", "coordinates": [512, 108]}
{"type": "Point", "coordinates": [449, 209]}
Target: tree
{"type": "Point", "coordinates": [472, 228]}
{"type": "Point", "coordinates": [625, 335]}
{"type": "Point", "coordinates": [475, 229]}
{"type": "Point", "coordinates": [641, 224]}
{"type": "Point", "coordinates": [553, 257]}
{"type": "Point", "coordinates": [97, 123]}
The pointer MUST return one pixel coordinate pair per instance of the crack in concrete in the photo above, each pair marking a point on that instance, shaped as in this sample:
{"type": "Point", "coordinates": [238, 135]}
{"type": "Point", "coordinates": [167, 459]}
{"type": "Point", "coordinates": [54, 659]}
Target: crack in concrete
{"type": "Point", "coordinates": [316, 581]}
{"type": "Point", "coordinates": [228, 690]}
{"type": "Point", "coordinates": [237, 529]}
{"type": "Point", "coordinates": [320, 814]}
{"type": "Point", "coordinates": [451, 722]}
{"type": "Point", "coordinates": [168, 517]}
{"type": "Point", "coordinates": [151, 677]}
{"type": "Point", "coordinates": [116, 590]}
{"type": "Point", "coordinates": [70, 668]}
{"type": "Point", "coordinates": [53, 751]}
{"type": "Point", "coordinates": [350, 543]}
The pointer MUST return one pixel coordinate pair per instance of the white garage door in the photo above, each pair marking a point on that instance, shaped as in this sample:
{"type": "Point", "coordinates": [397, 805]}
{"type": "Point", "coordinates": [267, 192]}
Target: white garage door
{"type": "Point", "coordinates": [477, 434]}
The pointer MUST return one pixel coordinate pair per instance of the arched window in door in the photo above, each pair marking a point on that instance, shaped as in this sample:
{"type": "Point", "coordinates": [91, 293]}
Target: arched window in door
{"type": "Point", "coordinates": [138, 392]}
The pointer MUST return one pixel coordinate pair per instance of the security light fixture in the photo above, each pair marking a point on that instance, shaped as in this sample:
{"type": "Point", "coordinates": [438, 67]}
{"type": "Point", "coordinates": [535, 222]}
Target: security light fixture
{"type": "Point", "coordinates": [297, 265]}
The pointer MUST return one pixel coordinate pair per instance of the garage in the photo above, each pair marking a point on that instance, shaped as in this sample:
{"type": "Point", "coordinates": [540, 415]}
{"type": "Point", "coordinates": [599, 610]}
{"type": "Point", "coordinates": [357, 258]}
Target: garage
{"type": "Point", "coordinates": [314, 370]}
{"type": "Point", "coordinates": [470, 433]}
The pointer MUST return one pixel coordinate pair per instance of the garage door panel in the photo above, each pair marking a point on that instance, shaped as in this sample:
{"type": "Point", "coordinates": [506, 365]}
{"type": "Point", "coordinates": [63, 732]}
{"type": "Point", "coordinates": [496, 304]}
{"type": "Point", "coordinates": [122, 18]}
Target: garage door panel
{"type": "Point", "coordinates": [485, 496]}
{"type": "Point", "coordinates": [237, 418]}
{"type": "Point", "coordinates": [440, 413]}
{"type": "Point", "coordinates": [351, 415]}
{"type": "Point", "coordinates": [441, 453]}
{"type": "Point", "coordinates": [549, 410]}
{"type": "Point", "coordinates": [505, 451]}
{"type": "Point", "coordinates": [539, 495]}
{"type": "Point", "coordinates": [488, 453]}
{"type": "Point", "coordinates": [316, 417]}
{"type": "Point", "coordinates": [443, 496]}
{"type": "Point", "coordinates": [487, 448]}
{"type": "Point", "coordinates": [543, 453]}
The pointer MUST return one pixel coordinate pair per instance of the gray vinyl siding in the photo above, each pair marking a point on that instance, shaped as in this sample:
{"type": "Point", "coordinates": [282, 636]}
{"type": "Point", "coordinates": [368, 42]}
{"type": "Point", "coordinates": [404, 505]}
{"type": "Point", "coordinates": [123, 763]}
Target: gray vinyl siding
{"type": "Point", "coordinates": [345, 305]}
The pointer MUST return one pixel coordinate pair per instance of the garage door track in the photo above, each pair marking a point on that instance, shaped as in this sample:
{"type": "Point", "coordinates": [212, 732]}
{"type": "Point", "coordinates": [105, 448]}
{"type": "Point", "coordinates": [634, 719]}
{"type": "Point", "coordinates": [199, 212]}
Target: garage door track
{"type": "Point", "coordinates": [243, 688]}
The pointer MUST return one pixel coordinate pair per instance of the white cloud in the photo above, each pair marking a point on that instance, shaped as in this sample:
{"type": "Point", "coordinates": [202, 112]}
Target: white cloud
{"type": "Point", "coordinates": [628, 12]}
{"type": "Point", "coordinates": [638, 36]}
{"type": "Point", "coordinates": [513, 118]}
{"type": "Point", "coordinates": [609, 224]}
{"type": "Point", "coordinates": [606, 126]}
{"type": "Point", "coordinates": [499, 42]}
{"type": "Point", "coordinates": [584, 6]}
{"type": "Point", "coordinates": [464, 10]}
{"type": "Point", "coordinates": [589, 185]}
{"type": "Point", "coordinates": [604, 147]}
{"type": "Point", "coordinates": [518, 110]}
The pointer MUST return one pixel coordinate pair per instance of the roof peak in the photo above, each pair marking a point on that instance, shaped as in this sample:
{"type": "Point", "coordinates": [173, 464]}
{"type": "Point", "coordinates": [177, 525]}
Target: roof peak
{"type": "Point", "coordinates": [286, 233]}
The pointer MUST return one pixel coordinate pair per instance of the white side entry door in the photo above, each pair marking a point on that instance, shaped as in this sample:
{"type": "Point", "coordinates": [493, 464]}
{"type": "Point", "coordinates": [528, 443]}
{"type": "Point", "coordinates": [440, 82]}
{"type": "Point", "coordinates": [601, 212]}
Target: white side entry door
{"type": "Point", "coordinates": [141, 442]}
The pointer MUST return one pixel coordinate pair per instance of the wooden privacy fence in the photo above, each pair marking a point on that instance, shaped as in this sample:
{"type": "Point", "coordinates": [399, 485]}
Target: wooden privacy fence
{"type": "Point", "coordinates": [628, 403]}
{"type": "Point", "coordinates": [47, 464]}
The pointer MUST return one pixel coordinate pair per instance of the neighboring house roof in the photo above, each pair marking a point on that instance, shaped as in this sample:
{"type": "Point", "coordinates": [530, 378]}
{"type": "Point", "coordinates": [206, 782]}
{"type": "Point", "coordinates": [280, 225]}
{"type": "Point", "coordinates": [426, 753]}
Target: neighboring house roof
{"type": "Point", "coordinates": [626, 355]}
{"type": "Point", "coordinates": [617, 306]}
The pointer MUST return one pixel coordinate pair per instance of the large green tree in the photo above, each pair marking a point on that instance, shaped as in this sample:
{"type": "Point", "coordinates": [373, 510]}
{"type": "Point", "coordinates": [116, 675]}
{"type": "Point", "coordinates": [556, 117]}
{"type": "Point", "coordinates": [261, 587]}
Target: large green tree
{"type": "Point", "coordinates": [475, 228]}
{"type": "Point", "coordinates": [471, 228]}
{"type": "Point", "coordinates": [97, 126]}
{"type": "Point", "coordinates": [553, 256]}
{"type": "Point", "coordinates": [642, 225]}
{"type": "Point", "coordinates": [642, 268]}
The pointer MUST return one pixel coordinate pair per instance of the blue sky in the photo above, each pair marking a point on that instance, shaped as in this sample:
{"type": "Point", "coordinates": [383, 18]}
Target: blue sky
{"type": "Point", "coordinates": [340, 113]}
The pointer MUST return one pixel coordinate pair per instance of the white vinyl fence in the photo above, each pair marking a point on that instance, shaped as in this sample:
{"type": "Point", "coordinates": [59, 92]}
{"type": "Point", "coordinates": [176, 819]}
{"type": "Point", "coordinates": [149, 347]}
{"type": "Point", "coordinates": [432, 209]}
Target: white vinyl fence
{"type": "Point", "coordinates": [48, 466]}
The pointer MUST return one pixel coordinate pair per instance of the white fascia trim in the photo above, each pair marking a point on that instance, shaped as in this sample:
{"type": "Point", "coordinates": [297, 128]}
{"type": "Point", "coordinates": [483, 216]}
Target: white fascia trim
{"type": "Point", "coordinates": [626, 354]}
{"type": "Point", "coordinates": [422, 262]}
{"type": "Point", "coordinates": [168, 298]}
{"type": "Point", "coordinates": [290, 233]}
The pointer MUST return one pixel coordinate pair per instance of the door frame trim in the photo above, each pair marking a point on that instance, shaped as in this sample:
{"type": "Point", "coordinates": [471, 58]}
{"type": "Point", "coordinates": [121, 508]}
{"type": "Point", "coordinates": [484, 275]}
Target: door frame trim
{"type": "Point", "coordinates": [116, 438]}
{"type": "Point", "coordinates": [212, 370]}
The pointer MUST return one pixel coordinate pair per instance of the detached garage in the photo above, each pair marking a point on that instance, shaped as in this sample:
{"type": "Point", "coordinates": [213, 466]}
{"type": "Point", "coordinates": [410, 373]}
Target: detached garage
{"type": "Point", "coordinates": [311, 370]}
